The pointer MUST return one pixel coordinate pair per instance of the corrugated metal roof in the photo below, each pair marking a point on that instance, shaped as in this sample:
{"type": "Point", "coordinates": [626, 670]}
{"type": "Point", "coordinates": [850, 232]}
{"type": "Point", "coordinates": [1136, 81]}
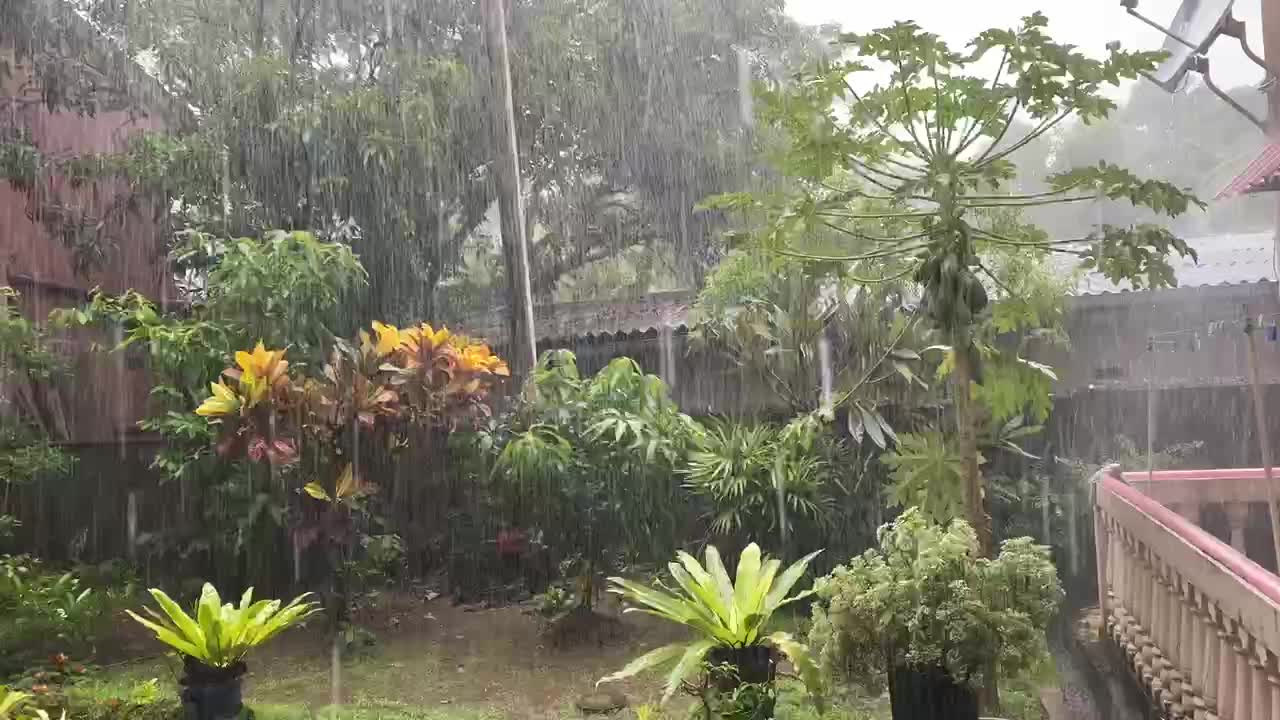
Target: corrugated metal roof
{"type": "Point", "coordinates": [562, 321]}
{"type": "Point", "coordinates": [1223, 260]}
{"type": "Point", "coordinates": [1259, 176]}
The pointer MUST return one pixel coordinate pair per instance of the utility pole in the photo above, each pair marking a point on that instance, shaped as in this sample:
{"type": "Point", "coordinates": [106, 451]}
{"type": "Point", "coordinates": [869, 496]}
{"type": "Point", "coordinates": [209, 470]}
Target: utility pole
{"type": "Point", "coordinates": [1260, 423]}
{"type": "Point", "coordinates": [515, 251]}
{"type": "Point", "coordinates": [1271, 58]}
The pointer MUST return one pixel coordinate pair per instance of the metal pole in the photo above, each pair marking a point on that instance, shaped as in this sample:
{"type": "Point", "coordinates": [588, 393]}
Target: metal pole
{"type": "Point", "coordinates": [1271, 57]}
{"type": "Point", "coordinates": [1151, 405]}
{"type": "Point", "coordinates": [523, 347]}
{"type": "Point", "coordinates": [1260, 422]}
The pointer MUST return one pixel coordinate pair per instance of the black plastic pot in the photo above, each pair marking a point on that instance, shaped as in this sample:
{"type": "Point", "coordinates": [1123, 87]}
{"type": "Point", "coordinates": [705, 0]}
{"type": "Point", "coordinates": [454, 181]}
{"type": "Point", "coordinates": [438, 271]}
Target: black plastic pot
{"type": "Point", "coordinates": [930, 693]}
{"type": "Point", "coordinates": [211, 693]}
{"type": "Point", "coordinates": [754, 664]}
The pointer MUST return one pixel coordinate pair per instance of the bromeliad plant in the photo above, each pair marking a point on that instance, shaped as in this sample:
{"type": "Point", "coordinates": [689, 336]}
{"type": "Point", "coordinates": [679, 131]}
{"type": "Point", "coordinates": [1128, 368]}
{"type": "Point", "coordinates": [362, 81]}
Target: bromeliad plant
{"type": "Point", "coordinates": [726, 615]}
{"type": "Point", "coordinates": [221, 635]}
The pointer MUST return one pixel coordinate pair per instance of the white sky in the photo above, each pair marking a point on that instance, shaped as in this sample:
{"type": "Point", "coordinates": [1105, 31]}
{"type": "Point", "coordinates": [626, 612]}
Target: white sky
{"type": "Point", "coordinates": [1089, 24]}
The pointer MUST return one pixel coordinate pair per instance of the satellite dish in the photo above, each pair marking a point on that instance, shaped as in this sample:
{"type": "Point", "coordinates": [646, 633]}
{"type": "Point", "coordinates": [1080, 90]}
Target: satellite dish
{"type": "Point", "coordinates": [1192, 31]}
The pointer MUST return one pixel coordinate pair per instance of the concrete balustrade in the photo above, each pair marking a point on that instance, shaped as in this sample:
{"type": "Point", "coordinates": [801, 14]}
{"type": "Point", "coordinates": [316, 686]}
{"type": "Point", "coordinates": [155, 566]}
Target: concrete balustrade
{"type": "Point", "coordinates": [1198, 623]}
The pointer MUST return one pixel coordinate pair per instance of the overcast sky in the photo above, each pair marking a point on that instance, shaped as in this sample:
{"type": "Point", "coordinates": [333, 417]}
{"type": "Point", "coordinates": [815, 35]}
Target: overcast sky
{"type": "Point", "coordinates": [1090, 24]}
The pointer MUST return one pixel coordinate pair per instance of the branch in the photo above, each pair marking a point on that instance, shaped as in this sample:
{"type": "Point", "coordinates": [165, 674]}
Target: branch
{"type": "Point", "coordinates": [876, 281]}
{"type": "Point", "coordinates": [890, 252]}
{"type": "Point", "coordinates": [1044, 244]}
{"type": "Point", "coordinates": [893, 345]}
{"type": "Point", "coordinates": [906, 104]}
{"type": "Point", "coordinates": [1042, 129]}
{"type": "Point", "coordinates": [996, 280]}
{"type": "Point", "coordinates": [1033, 203]}
{"type": "Point", "coordinates": [873, 181]}
{"type": "Point", "coordinates": [875, 216]}
{"type": "Point", "coordinates": [923, 154]}
{"type": "Point", "coordinates": [1008, 123]}
{"type": "Point", "coordinates": [873, 238]}
{"type": "Point", "coordinates": [842, 194]}
{"type": "Point", "coordinates": [980, 125]}
{"type": "Point", "coordinates": [903, 165]}
{"type": "Point", "coordinates": [874, 169]}
{"type": "Point", "coordinates": [1030, 196]}
{"type": "Point", "coordinates": [944, 135]}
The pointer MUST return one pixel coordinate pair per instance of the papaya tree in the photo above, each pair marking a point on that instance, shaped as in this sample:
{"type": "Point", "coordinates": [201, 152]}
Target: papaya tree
{"type": "Point", "coordinates": [900, 155]}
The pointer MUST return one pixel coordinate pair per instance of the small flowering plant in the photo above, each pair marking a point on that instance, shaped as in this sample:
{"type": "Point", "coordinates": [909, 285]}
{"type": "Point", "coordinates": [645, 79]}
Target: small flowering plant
{"type": "Point", "coordinates": [385, 382]}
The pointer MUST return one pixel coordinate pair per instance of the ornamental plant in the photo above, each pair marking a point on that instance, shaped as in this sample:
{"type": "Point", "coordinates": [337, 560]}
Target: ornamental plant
{"type": "Point", "coordinates": [723, 613]}
{"type": "Point", "coordinates": [260, 390]}
{"type": "Point", "coordinates": [220, 635]}
{"type": "Point", "coordinates": [927, 599]}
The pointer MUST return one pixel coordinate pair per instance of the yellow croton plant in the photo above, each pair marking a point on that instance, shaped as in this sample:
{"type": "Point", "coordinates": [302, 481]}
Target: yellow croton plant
{"type": "Point", "coordinates": [418, 373]}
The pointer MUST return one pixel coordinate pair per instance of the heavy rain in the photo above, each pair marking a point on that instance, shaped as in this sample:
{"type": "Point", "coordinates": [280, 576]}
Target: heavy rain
{"type": "Point", "coordinates": [648, 359]}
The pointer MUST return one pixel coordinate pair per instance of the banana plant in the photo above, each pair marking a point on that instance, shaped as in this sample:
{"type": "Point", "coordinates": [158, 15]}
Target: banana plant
{"type": "Point", "coordinates": [724, 614]}
{"type": "Point", "coordinates": [220, 635]}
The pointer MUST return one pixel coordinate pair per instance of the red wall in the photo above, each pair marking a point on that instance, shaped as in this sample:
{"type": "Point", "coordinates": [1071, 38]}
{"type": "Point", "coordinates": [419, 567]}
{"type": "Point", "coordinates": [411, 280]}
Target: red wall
{"type": "Point", "coordinates": [104, 397]}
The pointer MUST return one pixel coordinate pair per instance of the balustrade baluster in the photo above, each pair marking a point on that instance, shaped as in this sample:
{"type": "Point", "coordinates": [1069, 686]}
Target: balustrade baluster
{"type": "Point", "coordinates": [1226, 672]}
{"type": "Point", "coordinates": [1243, 704]}
{"type": "Point", "coordinates": [1209, 678]}
{"type": "Point", "coordinates": [1259, 690]}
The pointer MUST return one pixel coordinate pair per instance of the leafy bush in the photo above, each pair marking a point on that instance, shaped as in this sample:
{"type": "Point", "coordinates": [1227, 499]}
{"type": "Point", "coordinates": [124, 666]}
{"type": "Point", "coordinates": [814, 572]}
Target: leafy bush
{"type": "Point", "coordinates": [926, 598]}
{"type": "Point", "coordinates": [723, 613]}
{"type": "Point", "coordinates": [43, 612]}
{"type": "Point", "coordinates": [222, 634]}
{"type": "Point", "coordinates": [742, 469]}
{"type": "Point", "coordinates": [591, 463]}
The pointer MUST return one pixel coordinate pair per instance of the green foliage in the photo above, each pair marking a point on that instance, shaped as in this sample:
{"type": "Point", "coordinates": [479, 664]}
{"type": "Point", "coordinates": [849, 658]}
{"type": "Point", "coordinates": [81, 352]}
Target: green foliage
{"type": "Point", "coordinates": [591, 462]}
{"type": "Point", "coordinates": [287, 289]}
{"type": "Point", "coordinates": [915, 181]}
{"type": "Point", "coordinates": [44, 612]}
{"type": "Point", "coordinates": [927, 473]}
{"type": "Point", "coordinates": [721, 612]}
{"type": "Point", "coordinates": [746, 471]}
{"type": "Point", "coordinates": [220, 635]}
{"type": "Point", "coordinates": [927, 598]}
{"type": "Point", "coordinates": [769, 314]}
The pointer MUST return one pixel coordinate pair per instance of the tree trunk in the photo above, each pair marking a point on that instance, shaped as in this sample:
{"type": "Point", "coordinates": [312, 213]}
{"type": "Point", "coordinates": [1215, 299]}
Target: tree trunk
{"type": "Point", "coordinates": [971, 478]}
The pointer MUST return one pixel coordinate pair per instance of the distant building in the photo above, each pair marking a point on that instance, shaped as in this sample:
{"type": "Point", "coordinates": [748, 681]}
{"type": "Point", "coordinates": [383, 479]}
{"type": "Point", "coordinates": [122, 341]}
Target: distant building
{"type": "Point", "coordinates": [1196, 369]}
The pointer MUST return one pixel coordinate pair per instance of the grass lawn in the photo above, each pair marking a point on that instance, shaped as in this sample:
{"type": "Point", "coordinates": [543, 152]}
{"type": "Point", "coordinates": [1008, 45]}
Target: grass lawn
{"type": "Point", "coordinates": [434, 661]}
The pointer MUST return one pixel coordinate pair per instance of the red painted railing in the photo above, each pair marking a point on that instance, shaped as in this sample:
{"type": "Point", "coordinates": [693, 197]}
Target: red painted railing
{"type": "Point", "coordinates": [1251, 572]}
{"type": "Point", "coordinates": [1198, 621]}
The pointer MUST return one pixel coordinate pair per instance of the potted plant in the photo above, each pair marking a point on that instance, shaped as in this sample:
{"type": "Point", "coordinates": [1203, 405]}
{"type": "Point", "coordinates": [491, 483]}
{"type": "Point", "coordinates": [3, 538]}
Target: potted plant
{"type": "Point", "coordinates": [731, 620]}
{"type": "Point", "coordinates": [214, 643]}
{"type": "Point", "coordinates": [927, 611]}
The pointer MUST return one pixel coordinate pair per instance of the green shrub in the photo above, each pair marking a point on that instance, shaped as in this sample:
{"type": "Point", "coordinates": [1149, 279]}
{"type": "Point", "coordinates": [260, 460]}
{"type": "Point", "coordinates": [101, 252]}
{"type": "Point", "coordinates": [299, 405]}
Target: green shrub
{"type": "Point", "coordinates": [926, 598]}
{"type": "Point", "coordinates": [43, 613]}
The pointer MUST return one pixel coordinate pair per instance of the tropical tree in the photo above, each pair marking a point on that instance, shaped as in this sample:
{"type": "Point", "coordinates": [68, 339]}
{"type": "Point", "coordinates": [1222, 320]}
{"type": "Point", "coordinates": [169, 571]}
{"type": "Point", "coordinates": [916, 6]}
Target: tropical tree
{"type": "Point", "coordinates": [897, 178]}
{"type": "Point", "coordinates": [373, 117]}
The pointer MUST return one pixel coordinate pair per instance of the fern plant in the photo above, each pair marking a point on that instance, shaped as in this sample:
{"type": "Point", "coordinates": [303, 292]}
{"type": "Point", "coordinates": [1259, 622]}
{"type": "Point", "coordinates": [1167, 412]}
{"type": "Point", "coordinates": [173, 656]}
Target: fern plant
{"type": "Point", "coordinates": [724, 613]}
{"type": "Point", "coordinates": [220, 635]}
